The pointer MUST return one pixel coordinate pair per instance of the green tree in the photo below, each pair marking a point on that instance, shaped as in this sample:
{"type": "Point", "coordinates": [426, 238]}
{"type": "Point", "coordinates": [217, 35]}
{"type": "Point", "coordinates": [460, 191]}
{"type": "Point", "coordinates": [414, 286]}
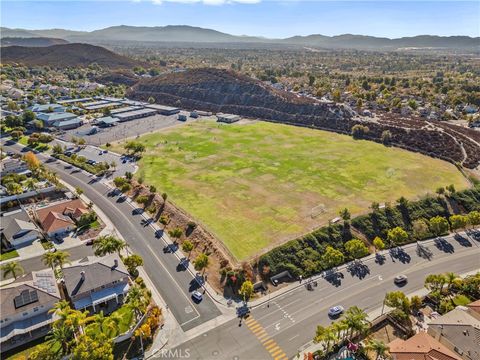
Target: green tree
{"type": "Point", "coordinates": [78, 191]}
{"type": "Point", "coordinates": [400, 302]}
{"type": "Point", "coordinates": [458, 222]}
{"type": "Point", "coordinates": [138, 299]}
{"type": "Point", "coordinates": [246, 290]}
{"type": "Point", "coordinates": [57, 149]}
{"type": "Point", "coordinates": [435, 282]}
{"type": "Point", "coordinates": [13, 268]}
{"type": "Point", "coordinates": [397, 236]}
{"type": "Point", "coordinates": [98, 348]}
{"type": "Point", "coordinates": [356, 320]}
{"type": "Point", "coordinates": [28, 116]}
{"type": "Point", "coordinates": [356, 248]}
{"type": "Point", "coordinates": [142, 200]}
{"type": "Point", "coordinates": [332, 257]}
{"type": "Point", "coordinates": [108, 244]}
{"type": "Point", "coordinates": [61, 334]}
{"type": "Point", "coordinates": [175, 233]}
{"type": "Point", "coordinates": [187, 246]}
{"type": "Point", "coordinates": [119, 181]}
{"type": "Point", "coordinates": [474, 218]}
{"type": "Point", "coordinates": [379, 348]}
{"type": "Point", "coordinates": [132, 262]}
{"type": "Point", "coordinates": [438, 225]}
{"type": "Point", "coordinates": [378, 243]}
{"type": "Point", "coordinates": [201, 262]}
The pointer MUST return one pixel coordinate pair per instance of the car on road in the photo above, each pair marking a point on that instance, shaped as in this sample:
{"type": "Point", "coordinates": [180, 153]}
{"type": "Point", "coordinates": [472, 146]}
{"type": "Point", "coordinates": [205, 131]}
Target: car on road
{"type": "Point", "coordinates": [91, 162]}
{"type": "Point", "coordinates": [400, 279]}
{"type": "Point", "coordinates": [336, 311]}
{"type": "Point", "coordinates": [121, 199]}
{"type": "Point", "coordinates": [197, 295]}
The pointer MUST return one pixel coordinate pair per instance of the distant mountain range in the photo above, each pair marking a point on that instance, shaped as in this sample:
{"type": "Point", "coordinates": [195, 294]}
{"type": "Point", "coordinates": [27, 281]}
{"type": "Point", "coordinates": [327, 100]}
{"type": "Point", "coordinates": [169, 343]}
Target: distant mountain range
{"type": "Point", "coordinates": [66, 55]}
{"type": "Point", "coordinates": [31, 41]}
{"type": "Point", "coordinates": [189, 34]}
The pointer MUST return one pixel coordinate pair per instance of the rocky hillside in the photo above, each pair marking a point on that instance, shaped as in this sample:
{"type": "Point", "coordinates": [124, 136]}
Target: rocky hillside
{"type": "Point", "coordinates": [225, 91]}
{"type": "Point", "coordinates": [32, 42]}
{"type": "Point", "coordinates": [66, 55]}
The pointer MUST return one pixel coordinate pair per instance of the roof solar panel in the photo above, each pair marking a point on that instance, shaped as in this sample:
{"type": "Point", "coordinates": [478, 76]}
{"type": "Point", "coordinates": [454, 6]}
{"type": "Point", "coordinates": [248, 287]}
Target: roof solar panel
{"type": "Point", "coordinates": [26, 297]}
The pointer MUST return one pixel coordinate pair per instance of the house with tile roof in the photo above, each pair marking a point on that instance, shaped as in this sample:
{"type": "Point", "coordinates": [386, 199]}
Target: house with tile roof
{"type": "Point", "coordinates": [459, 330]}
{"type": "Point", "coordinates": [97, 283]}
{"type": "Point", "coordinates": [60, 218]}
{"type": "Point", "coordinates": [25, 305]}
{"type": "Point", "coordinates": [420, 347]}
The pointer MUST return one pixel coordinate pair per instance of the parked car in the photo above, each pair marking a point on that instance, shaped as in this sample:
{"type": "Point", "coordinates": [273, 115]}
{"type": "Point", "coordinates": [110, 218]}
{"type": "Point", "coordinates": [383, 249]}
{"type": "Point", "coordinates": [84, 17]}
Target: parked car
{"type": "Point", "coordinates": [89, 242]}
{"type": "Point", "coordinates": [197, 295]}
{"type": "Point", "coordinates": [335, 311]}
{"type": "Point", "coordinates": [400, 279]}
{"type": "Point", "coordinates": [91, 162]}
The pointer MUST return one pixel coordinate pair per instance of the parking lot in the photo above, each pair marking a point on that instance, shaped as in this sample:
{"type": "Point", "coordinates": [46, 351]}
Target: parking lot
{"type": "Point", "coordinates": [124, 130]}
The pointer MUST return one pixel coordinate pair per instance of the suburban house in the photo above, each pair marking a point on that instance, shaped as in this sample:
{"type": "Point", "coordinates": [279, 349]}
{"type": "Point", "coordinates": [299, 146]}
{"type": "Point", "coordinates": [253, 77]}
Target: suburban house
{"type": "Point", "coordinates": [60, 218]}
{"type": "Point", "coordinates": [18, 229]}
{"type": "Point", "coordinates": [475, 306]}
{"type": "Point", "coordinates": [49, 119]}
{"type": "Point", "coordinates": [420, 347]}
{"type": "Point", "coordinates": [25, 307]}
{"type": "Point", "coordinates": [14, 166]}
{"type": "Point", "coordinates": [97, 283]}
{"type": "Point", "coordinates": [459, 330]}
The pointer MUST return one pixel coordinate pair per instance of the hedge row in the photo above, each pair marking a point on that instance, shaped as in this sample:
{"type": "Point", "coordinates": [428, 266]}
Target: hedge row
{"type": "Point", "coordinates": [302, 256]}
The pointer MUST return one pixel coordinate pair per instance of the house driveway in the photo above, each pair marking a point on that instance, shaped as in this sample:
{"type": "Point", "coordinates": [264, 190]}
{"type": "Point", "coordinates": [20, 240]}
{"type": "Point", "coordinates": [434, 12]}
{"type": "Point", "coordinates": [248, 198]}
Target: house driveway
{"type": "Point", "coordinates": [31, 250]}
{"type": "Point", "coordinates": [68, 242]}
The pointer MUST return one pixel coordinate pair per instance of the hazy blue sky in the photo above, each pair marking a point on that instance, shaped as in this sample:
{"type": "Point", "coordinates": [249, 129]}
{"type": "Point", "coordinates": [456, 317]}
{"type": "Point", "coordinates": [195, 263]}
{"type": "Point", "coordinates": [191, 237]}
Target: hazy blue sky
{"type": "Point", "coordinates": [267, 18]}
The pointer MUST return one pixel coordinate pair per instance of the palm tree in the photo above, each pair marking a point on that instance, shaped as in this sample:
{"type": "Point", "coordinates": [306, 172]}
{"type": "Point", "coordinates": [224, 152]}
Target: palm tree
{"type": "Point", "coordinates": [12, 267]}
{"type": "Point", "coordinates": [108, 325]}
{"type": "Point", "coordinates": [356, 320]}
{"type": "Point", "coordinates": [60, 334]}
{"type": "Point", "coordinates": [61, 258]}
{"type": "Point", "coordinates": [108, 244]}
{"type": "Point", "coordinates": [339, 328]}
{"type": "Point", "coordinates": [138, 300]}
{"type": "Point", "coordinates": [450, 279]}
{"type": "Point", "coordinates": [49, 259]}
{"type": "Point", "coordinates": [201, 262]}
{"type": "Point", "coordinates": [30, 184]}
{"type": "Point", "coordinates": [62, 309]}
{"type": "Point", "coordinates": [330, 337]}
{"type": "Point", "coordinates": [379, 347]}
{"type": "Point", "coordinates": [78, 320]}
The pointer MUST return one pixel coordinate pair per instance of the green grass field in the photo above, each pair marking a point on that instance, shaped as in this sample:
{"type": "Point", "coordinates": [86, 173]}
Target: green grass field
{"type": "Point", "coordinates": [257, 184]}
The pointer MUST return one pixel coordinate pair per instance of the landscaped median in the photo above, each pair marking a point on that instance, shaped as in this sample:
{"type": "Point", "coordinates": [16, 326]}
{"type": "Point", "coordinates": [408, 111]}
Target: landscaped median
{"type": "Point", "coordinates": [80, 163]}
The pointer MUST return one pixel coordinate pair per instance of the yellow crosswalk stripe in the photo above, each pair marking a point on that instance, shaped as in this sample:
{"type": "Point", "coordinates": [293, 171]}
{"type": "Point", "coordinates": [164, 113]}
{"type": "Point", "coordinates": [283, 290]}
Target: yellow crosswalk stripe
{"type": "Point", "coordinates": [277, 352]}
{"type": "Point", "coordinates": [258, 331]}
{"type": "Point", "coordinates": [255, 326]}
{"type": "Point", "coordinates": [263, 337]}
{"type": "Point", "coordinates": [250, 320]}
{"type": "Point", "coordinates": [271, 346]}
{"type": "Point", "coordinates": [268, 342]}
{"type": "Point", "coordinates": [282, 357]}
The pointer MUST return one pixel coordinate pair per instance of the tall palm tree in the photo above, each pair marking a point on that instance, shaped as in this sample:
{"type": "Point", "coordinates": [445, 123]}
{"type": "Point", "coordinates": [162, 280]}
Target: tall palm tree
{"type": "Point", "coordinates": [331, 338]}
{"type": "Point", "coordinates": [379, 347]}
{"type": "Point", "coordinates": [138, 300]}
{"type": "Point", "coordinates": [61, 334]}
{"type": "Point", "coordinates": [12, 267]}
{"type": "Point", "coordinates": [450, 278]}
{"type": "Point", "coordinates": [340, 328]}
{"type": "Point", "coordinates": [61, 258]}
{"type": "Point", "coordinates": [79, 319]}
{"type": "Point", "coordinates": [356, 320]}
{"type": "Point", "coordinates": [49, 259]}
{"type": "Point", "coordinates": [30, 184]}
{"type": "Point", "coordinates": [108, 244]}
{"type": "Point", "coordinates": [62, 309]}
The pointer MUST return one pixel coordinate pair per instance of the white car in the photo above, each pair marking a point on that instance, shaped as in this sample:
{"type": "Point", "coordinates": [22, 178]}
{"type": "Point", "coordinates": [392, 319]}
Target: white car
{"type": "Point", "coordinates": [335, 311]}
{"type": "Point", "coordinates": [400, 279]}
{"type": "Point", "coordinates": [197, 295]}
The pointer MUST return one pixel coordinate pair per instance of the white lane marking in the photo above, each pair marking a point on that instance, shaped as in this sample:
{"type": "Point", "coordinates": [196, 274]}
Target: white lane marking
{"type": "Point", "coordinates": [380, 277]}
{"type": "Point", "coordinates": [293, 337]}
{"type": "Point", "coordinates": [277, 326]}
{"type": "Point", "coordinates": [151, 250]}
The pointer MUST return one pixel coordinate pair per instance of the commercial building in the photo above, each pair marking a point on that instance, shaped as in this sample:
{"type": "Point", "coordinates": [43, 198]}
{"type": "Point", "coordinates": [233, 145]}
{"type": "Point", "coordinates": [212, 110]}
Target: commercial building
{"type": "Point", "coordinates": [125, 109]}
{"type": "Point", "coordinates": [49, 119]}
{"type": "Point", "coordinates": [228, 118]}
{"type": "Point", "coordinates": [68, 124]}
{"type": "Point", "coordinates": [106, 121]}
{"type": "Point", "coordinates": [47, 108]}
{"type": "Point", "coordinates": [100, 105]}
{"type": "Point", "coordinates": [74, 101]}
{"type": "Point", "coordinates": [164, 110]}
{"type": "Point", "coordinates": [136, 114]}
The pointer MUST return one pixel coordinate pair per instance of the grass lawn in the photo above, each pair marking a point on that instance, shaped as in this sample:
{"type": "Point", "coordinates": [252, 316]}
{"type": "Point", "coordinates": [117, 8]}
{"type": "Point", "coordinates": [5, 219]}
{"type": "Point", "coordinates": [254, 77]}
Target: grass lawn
{"type": "Point", "coordinates": [39, 147]}
{"type": "Point", "coordinates": [8, 255]}
{"type": "Point", "coordinates": [261, 183]}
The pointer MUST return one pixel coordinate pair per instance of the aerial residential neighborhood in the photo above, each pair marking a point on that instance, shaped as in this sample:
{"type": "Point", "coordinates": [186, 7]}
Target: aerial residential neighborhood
{"type": "Point", "coordinates": [258, 184]}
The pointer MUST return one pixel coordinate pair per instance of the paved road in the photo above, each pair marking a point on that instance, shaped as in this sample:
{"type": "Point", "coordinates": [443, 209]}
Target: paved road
{"type": "Point", "coordinates": [173, 285]}
{"type": "Point", "coordinates": [289, 321]}
{"type": "Point", "coordinates": [36, 263]}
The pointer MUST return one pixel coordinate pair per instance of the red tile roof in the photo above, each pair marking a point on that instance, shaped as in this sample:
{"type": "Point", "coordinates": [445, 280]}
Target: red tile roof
{"type": "Point", "coordinates": [421, 347]}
